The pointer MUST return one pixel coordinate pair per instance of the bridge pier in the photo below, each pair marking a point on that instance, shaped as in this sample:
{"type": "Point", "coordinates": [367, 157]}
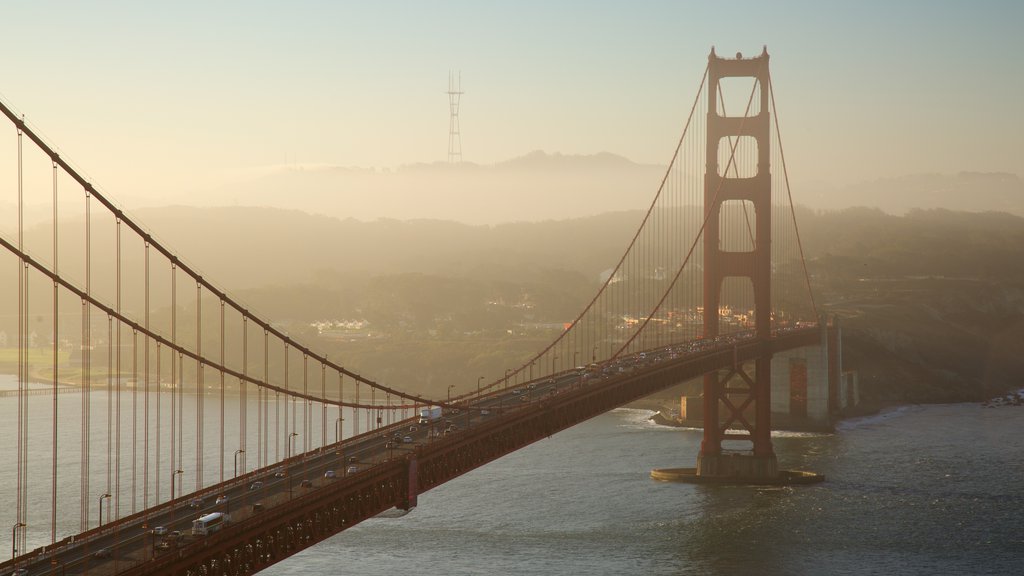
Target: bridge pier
{"type": "Point", "coordinates": [734, 465]}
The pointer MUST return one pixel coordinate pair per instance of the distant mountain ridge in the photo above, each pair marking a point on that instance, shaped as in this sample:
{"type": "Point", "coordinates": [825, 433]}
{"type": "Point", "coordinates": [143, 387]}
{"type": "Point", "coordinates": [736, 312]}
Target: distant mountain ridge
{"type": "Point", "coordinates": [963, 191]}
{"type": "Point", "coordinates": [552, 186]}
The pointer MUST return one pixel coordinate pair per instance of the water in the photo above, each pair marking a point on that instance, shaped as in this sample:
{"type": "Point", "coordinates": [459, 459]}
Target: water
{"type": "Point", "coordinates": [917, 490]}
{"type": "Point", "coordinates": [920, 490]}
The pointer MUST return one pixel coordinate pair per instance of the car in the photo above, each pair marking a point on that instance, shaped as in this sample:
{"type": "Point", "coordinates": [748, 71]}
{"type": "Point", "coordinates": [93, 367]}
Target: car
{"type": "Point", "coordinates": [306, 483]}
{"type": "Point", "coordinates": [352, 469]}
{"type": "Point", "coordinates": [389, 444]}
{"type": "Point", "coordinates": [413, 428]}
{"type": "Point", "coordinates": [531, 386]}
{"type": "Point", "coordinates": [163, 545]}
{"type": "Point", "coordinates": [407, 440]}
{"type": "Point", "coordinates": [222, 499]}
{"type": "Point", "coordinates": [158, 530]}
{"type": "Point", "coordinates": [102, 553]}
{"type": "Point", "coordinates": [517, 391]}
{"type": "Point", "coordinates": [352, 459]}
{"type": "Point", "coordinates": [455, 410]}
{"type": "Point", "coordinates": [280, 474]}
{"type": "Point", "coordinates": [174, 535]}
{"type": "Point", "coordinates": [257, 507]}
{"type": "Point", "coordinates": [485, 412]}
{"type": "Point", "coordinates": [20, 572]}
{"type": "Point", "coordinates": [195, 503]}
{"type": "Point", "coordinates": [524, 399]}
{"type": "Point", "coordinates": [256, 485]}
{"type": "Point", "coordinates": [329, 474]}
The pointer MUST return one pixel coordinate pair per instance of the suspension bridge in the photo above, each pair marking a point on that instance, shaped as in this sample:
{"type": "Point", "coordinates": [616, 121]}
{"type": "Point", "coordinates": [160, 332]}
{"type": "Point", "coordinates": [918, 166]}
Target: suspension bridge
{"type": "Point", "coordinates": [201, 439]}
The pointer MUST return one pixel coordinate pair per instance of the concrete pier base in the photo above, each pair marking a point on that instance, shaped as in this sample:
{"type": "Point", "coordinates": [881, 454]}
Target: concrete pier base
{"type": "Point", "coordinates": [737, 465]}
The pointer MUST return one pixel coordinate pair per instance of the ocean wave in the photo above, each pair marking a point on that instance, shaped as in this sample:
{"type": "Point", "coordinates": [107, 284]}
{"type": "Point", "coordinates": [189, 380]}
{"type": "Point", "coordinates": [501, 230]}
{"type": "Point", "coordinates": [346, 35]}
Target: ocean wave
{"type": "Point", "coordinates": [794, 434]}
{"type": "Point", "coordinates": [883, 416]}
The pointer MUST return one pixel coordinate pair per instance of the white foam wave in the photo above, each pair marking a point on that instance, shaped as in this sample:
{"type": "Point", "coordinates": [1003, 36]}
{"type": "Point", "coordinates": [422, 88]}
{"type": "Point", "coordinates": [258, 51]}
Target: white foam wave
{"type": "Point", "coordinates": [883, 416]}
{"type": "Point", "coordinates": [794, 434]}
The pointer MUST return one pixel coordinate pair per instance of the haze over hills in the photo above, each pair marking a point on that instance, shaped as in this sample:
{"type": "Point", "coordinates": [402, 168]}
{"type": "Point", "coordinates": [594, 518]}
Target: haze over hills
{"type": "Point", "coordinates": [541, 186]}
{"type": "Point", "coordinates": [537, 186]}
{"type": "Point", "coordinates": [531, 188]}
{"type": "Point", "coordinates": [966, 191]}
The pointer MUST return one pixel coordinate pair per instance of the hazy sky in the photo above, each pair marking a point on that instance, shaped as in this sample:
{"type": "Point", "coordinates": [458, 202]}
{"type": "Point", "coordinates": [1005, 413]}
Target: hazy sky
{"type": "Point", "coordinates": [174, 98]}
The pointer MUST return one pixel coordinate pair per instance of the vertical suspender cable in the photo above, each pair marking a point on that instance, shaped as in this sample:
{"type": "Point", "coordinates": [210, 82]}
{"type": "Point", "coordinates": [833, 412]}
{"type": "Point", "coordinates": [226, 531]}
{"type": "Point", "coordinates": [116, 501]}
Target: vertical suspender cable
{"type": "Point", "coordinates": [86, 369]}
{"type": "Point", "coordinates": [244, 385]}
{"type": "Point", "coordinates": [200, 387]}
{"type": "Point", "coordinates": [135, 412]}
{"type": "Point", "coordinates": [340, 422]}
{"type": "Point", "coordinates": [175, 391]}
{"type": "Point", "coordinates": [287, 400]}
{"type": "Point", "coordinates": [221, 391]}
{"type": "Point", "coordinates": [305, 403]}
{"type": "Point", "coordinates": [25, 419]}
{"type": "Point", "coordinates": [323, 405]}
{"type": "Point", "coordinates": [355, 413]}
{"type": "Point", "coordinates": [157, 437]}
{"type": "Point", "coordinates": [265, 394]}
{"type": "Point", "coordinates": [145, 382]}
{"type": "Point", "coordinates": [56, 341]}
{"type": "Point", "coordinates": [110, 410]}
{"type": "Point", "coordinates": [21, 487]}
{"type": "Point", "coordinates": [116, 374]}
{"type": "Point", "coordinates": [180, 386]}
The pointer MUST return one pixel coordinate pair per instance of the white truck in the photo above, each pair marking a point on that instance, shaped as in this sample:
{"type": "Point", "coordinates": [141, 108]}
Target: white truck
{"type": "Point", "coordinates": [428, 415]}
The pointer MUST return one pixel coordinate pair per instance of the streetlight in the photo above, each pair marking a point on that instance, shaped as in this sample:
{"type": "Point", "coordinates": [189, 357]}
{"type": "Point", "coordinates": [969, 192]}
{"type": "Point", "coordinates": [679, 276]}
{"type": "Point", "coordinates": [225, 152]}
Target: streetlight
{"type": "Point", "coordinates": [173, 474]}
{"type": "Point", "coordinates": [337, 428]}
{"type": "Point", "coordinates": [14, 538]}
{"type": "Point", "coordinates": [574, 353]}
{"type": "Point", "coordinates": [507, 370]}
{"type": "Point", "coordinates": [594, 357]}
{"type": "Point", "coordinates": [291, 438]}
{"type": "Point", "coordinates": [450, 386]}
{"type": "Point", "coordinates": [237, 452]}
{"type": "Point", "coordinates": [478, 380]}
{"type": "Point", "coordinates": [553, 358]}
{"type": "Point", "coordinates": [101, 508]}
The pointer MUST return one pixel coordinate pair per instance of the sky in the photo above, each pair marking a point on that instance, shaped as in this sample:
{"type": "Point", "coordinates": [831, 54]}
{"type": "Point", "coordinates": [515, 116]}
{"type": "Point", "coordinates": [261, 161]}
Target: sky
{"type": "Point", "coordinates": [165, 102]}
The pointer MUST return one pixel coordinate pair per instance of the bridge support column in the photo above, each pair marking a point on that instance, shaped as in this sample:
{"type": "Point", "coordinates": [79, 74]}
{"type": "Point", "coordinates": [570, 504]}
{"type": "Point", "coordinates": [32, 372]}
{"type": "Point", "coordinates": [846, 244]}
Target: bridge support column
{"type": "Point", "coordinates": [747, 400]}
{"type": "Point", "coordinates": [737, 407]}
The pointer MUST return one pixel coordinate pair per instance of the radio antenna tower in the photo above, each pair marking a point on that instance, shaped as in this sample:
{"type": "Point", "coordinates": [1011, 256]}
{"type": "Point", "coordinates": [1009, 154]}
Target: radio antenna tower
{"type": "Point", "coordinates": [454, 136]}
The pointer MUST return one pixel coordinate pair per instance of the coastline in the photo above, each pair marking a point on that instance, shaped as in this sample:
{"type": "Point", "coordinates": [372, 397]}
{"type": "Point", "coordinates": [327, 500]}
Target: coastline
{"type": "Point", "coordinates": [665, 412]}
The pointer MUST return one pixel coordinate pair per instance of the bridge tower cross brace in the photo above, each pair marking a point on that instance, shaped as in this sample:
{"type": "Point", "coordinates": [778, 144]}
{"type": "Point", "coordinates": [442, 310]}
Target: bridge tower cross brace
{"type": "Point", "coordinates": [754, 264]}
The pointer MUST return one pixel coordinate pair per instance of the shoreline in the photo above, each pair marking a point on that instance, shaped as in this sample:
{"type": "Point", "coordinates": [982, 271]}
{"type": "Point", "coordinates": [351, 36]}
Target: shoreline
{"type": "Point", "coordinates": [664, 410]}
